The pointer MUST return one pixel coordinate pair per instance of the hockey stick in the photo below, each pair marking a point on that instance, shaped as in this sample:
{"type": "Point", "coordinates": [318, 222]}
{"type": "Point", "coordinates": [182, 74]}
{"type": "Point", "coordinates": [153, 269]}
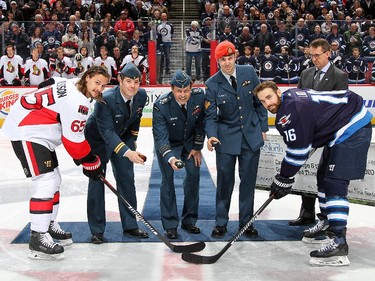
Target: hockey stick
{"type": "Point", "coordinates": [196, 247]}
{"type": "Point", "coordinates": [193, 258]}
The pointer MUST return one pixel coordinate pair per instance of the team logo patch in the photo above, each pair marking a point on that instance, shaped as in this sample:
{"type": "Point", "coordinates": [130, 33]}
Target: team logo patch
{"type": "Point", "coordinates": [284, 120]}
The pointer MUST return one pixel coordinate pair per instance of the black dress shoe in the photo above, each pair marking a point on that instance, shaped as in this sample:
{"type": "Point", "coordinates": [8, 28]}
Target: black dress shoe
{"type": "Point", "coordinates": [172, 233]}
{"type": "Point", "coordinates": [191, 228]}
{"type": "Point", "coordinates": [219, 231]}
{"type": "Point", "coordinates": [304, 218]}
{"type": "Point", "coordinates": [251, 232]}
{"type": "Point", "coordinates": [136, 232]}
{"type": "Point", "coordinates": [97, 238]}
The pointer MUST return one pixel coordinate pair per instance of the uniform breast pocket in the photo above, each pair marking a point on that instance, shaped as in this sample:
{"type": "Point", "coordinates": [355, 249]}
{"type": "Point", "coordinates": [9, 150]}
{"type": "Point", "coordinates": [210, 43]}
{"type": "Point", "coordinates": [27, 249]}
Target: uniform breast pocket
{"type": "Point", "coordinates": [118, 122]}
{"type": "Point", "coordinates": [225, 105]}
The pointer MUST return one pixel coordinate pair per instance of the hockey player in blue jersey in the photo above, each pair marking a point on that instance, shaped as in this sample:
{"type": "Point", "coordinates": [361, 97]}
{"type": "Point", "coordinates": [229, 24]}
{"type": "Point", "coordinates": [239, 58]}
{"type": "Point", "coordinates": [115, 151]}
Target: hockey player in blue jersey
{"type": "Point", "coordinates": [338, 122]}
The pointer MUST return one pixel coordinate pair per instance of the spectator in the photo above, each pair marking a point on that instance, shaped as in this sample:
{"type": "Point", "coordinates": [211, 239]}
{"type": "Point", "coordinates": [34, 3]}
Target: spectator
{"type": "Point", "coordinates": [123, 43]}
{"type": "Point", "coordinates": [78, 7]}
{"type": "Point", "coordinates": [36, 69]}
{"type": "Point", "coordinates": [70, 42]}
{"type": "Point", "coordinates": [368, 7]}
{"type": "Point", "coordinates": [21, 41]}
{"type": "Point", "coordinates": [207, 12]}
{"type": "Point", "coordinates": [337, 57]}
{"type": "Point", "coordinates": [108, 63]}
{"type": "Point", "coordinates": [11, 67]}
{"type": "Point", "coordinates": [137, 59]}
{"type": "Point", "coordinates": [263, 38]}
{"type": "Point", "coordinates": [356, 67]}
{"type": "Point", "coordinates": [104, 39]}
{"type": "Point", "coordinates": [18, 15]}
{"type": "Point", "coordinates": [282, 38]}
{"type": "Point", "coordinates": [327, 25]}
{"type": "Point", "coordinates": [165, 31]}
{"type": "Point", "coordinates": [107, 8]}
{"type": "Point", "coordinates": [193, 49]}
{"type": "Point", "coordinates": [137, 40]}
{"type": "Point", "coordinates": [365, 25]}
{"type": "Point", "coordinates": [334, 36]}
{"type": "Point", "coordinates": [225, 18]}
{"type": "Point", "coordinates": [245, 39]}
{"type": "Point", "coordinates": [269, 9]}
{"type": "Point", "coordinates": [61, 13]}
{"type": "Point", "coordinates": [245, 58]}
{"type": "Point", "coordinates": [317, 33]}
{"type": "Point", "coordinates": [61, 66]}
{"type": "Point", "coordinates": [228, 35]}
{"type": "Point", "coordinates": [346, 25]}
{"type": "Point", "coordinates": [73, 22]}
{"type": "Point", "coordinates": [368, 44]}
{"type": "Point", "coordinates": [305, 60]}
{"type": "Point", "coordinates": [38, 23]}
{"type": "Point", "coordinates": [262, 20]}
{"type": "Point", "coordinates": [36, 37]}
{"type": "Point", "coordinates": [117, 57]}
{"type": "Point", "coordinates": [125, 24]}
{"type": "Point", "coordinates": [51, 39]}
{"type": "Point", "coordinates": [300, 36]}
{"type": "Point", "coordinates": [206, 47]}
{"type": "Point", "coordinates": [254, 60]}
{"type": "Point", "coordinates": [352, 39]}
{"type": "Point", "coordinates": [141, 13]}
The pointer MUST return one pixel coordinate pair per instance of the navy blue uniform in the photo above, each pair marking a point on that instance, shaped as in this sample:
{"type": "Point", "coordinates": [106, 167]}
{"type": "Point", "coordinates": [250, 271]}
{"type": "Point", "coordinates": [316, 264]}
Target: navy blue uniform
{"type": "Point", "coordinates": [175, 136]}
{"type": "Point", "coordinates": [237, 119]}
{"type": "Point", "coordinates": [337, 121]}
{"type": "Point", "coordinates": [111, 131]}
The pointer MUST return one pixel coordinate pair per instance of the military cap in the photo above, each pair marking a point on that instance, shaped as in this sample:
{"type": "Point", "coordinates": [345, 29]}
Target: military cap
{"type": "Point", "coordinates": [224, 49]}
{"type": "Point", "coordinates": [180, 79]}
{"type": "Point", "coordinates": [131, 71]}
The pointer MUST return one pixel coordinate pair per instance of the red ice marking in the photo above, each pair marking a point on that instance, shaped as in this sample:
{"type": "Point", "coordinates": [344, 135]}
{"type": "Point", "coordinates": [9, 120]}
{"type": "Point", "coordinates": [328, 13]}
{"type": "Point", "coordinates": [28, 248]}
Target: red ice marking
{"type": "Point", "coordinates": [48, 276]}
{"type": "Point", "coordinates": [175, 269]}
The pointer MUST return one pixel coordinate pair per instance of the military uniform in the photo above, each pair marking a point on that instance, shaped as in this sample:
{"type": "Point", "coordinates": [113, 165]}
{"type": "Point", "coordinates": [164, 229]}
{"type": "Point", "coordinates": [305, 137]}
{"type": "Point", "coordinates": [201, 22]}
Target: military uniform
{"type": "Point", "coordinates": [175, 136]}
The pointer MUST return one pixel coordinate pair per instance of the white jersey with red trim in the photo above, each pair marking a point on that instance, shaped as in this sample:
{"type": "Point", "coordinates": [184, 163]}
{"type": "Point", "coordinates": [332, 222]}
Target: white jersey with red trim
{"type": "Point", "coordinates": [35, 71]}
{"type": "Point", "coordinates": [108, 63]}
{"type": "Point", "coordinates": [84, 64]}
{"type": "Point", "coordinates": [61, 67]}
{"type": "Point", "coordinates": [11, 68]}
{"type": "Point", "coordinates": [50, 116]}
{"type": "Point", "coordinates": [139, 60]}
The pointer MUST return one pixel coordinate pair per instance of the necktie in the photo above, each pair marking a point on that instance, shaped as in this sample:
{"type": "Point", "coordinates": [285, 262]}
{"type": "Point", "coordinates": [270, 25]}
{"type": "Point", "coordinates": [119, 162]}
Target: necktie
{"type": "Point", "coordinates": [183, 108]}
{"type": "Point", "coordinates": [234, 83]}
{"type": "Point", "coordinates": [127, 104]}
{"type": "Point", "coordinates": [316, 79]}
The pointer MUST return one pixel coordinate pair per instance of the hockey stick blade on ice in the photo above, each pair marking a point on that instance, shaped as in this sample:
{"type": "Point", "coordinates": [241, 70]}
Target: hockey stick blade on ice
{"type": "Point", "coordinates": [198, 259]}
{"type": "Point", "coordinates": [196, 247]}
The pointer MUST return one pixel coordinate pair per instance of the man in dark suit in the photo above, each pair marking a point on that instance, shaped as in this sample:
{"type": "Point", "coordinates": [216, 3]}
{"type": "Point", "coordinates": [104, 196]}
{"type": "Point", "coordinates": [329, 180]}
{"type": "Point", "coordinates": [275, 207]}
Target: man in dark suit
{"type": "Point", "coordinates": [178, 131]}
{"type": "Point", "coordinates": [112, 131]}
{"type": "Point", "coordinates": [236, 123]}
{"type": "Point", "coordinates": [323, 76]}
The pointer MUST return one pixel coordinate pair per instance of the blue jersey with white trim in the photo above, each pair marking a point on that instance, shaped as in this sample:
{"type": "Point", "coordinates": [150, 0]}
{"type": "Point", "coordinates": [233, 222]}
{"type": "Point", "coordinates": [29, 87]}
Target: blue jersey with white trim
{"type": "Point", "coordinates": [309, 119]}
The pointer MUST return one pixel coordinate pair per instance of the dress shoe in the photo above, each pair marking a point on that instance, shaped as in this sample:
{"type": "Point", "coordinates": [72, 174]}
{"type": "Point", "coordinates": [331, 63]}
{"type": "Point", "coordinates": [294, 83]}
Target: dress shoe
{"type": "Point", "coordinates": [136, 232]}
{"type": "Point", "coordinates": [97, 238]}
{"type": "Point", "coordinates": [303, 219]}
{"type": "Point", "coordinates": [251, 232]}
{"type": "Point", "coordinates": [219, 231]}
{"type": "Point", "coordinates": [172, 233]}
{"type": "Point", "coordinates": [191, 228]}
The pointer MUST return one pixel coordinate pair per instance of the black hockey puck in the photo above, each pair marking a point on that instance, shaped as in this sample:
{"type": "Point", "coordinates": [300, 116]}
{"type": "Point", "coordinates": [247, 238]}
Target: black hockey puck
{"type": "Point", "coordinates": [179, 164]}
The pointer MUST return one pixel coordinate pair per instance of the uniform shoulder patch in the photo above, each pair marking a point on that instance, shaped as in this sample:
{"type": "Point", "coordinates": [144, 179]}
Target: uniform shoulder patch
{"type": "Point", "coordinates": [164, 98]}
{"type": "Point", "coordinates": [197, 91]}
{"type": "Point", "coordinates": [301, 94]}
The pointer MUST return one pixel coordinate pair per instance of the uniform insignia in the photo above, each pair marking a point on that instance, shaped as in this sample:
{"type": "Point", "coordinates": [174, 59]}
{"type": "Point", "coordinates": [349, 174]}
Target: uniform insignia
{"type": "Point", "coordinates": [139, 109]}
{"type": "Point", "coordinates": [230, 51]}
{"type": "Point", "coordinates": [301, 94]}
{"type": "Point", "coordinates": [196, 110]}
{"type": "Point", "coordinates": [207, 104]}
{"type": "Point", "coordinates": [173, 118]}
{"type": "Point", "coordinates": [284, 120]}
{"type": "Point", "coordinates": [245, 83]}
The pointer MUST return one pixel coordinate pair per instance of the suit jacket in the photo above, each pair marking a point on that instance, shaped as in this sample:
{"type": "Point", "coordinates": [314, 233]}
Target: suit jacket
{"type": "Point", "coordinates": [171, 128]}
{"type": "Point", "coordinates": [333, 79]}
{"type": "Point", "coordinates": [233, 115]}
{"type": "Point", "coordinates": [111, 128]}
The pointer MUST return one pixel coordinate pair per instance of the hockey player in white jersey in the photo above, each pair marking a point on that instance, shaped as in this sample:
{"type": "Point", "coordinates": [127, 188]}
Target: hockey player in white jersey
{"type": "Point", "coordinates": [108, 63]}
{"type": "Point", "coordinates": [11, 68]}
{"type": "Point", "coordinates": [39, 122]}
{"type": "Point", "coordinates": [36, 69]}
{"type": "Point", "coordinates": [82, 62]}
{"type": "Point", "coordinates": [61, 66]}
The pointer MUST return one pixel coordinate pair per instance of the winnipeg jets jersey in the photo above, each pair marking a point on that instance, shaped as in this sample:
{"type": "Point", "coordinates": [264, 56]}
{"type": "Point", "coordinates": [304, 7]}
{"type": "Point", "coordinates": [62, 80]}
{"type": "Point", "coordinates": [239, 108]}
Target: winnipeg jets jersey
{"type": "Point", "coordinates": [309, 119]}
{"type": "Point", "coordinates": [11, 68]}
{"type": "Point", "coordinates": [36, 71]}
{"type": "Point", "coordinates": [51, 116]}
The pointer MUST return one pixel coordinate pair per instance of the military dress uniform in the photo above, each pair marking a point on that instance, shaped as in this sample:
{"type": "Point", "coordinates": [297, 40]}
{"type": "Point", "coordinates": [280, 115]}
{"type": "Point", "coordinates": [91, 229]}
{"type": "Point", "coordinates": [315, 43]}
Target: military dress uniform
{"type": "Point", "coordinates": [175, 135]}
{"type": "Point", "coordinates": [237, 119]}
{"type": "Point", "coordinates": [112, 130]}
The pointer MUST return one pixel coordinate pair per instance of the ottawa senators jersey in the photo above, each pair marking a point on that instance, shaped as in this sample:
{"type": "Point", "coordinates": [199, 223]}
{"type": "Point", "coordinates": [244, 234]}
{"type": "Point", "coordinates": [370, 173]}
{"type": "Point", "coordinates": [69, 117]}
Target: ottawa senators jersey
{"type": "Point", "coordinates": [308, 119]}
{"type": "Point", "coordinates": [36, 71]}
{"type": "Point", "coordinates": [83, 64]}
{"type": "Point", "coordinates": [50, 116]}
{"type": "Point", "coordinates": [11, 68]}
{"type": "Point", "coordinates": [108, 63]}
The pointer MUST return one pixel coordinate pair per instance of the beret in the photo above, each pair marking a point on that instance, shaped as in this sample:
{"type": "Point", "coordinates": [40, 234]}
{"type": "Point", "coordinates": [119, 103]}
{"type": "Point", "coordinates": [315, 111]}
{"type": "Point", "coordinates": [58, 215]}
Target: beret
{"type": "Point", "coordinates": [180, 79]}
{"type": "Point", "coordinates": [131, 71]}
{"type": "Point", "coordinates": [224, 48]}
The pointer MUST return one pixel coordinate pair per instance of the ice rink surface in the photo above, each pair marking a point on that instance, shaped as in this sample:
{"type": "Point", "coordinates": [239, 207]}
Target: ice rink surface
{"type": "Point", "coordinates": [154, 261]}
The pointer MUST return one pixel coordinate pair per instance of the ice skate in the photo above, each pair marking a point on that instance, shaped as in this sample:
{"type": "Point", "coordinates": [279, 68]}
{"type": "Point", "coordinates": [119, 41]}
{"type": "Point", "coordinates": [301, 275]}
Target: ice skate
{"type": "Point", "coordinates": [335, 253]}
{"type": "Point", "coordinates": [62, 237]}
{"type": "Point", "coordinates": [42, 247]}
{"type": "Point", "coordinates": [318, 233]}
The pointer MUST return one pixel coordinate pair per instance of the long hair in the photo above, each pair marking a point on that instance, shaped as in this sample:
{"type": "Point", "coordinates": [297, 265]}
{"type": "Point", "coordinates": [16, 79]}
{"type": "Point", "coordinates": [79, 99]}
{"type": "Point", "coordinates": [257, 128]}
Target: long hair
{"type": "Point", "coordinates": [91, 72]}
